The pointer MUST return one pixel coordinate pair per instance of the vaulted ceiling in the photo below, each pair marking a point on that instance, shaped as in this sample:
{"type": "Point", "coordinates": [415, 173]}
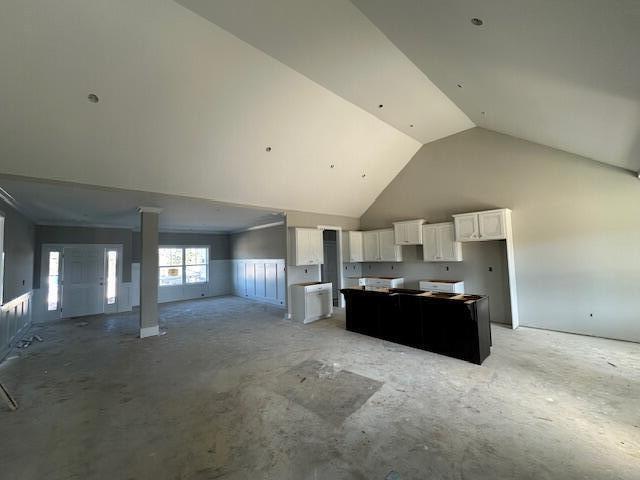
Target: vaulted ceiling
{"type": "Point", "coordinates": [301, 104]}
{"type": "Point", "coordinates": [184, 108]}
{"type": "Point", "coordinates": [564, 73]}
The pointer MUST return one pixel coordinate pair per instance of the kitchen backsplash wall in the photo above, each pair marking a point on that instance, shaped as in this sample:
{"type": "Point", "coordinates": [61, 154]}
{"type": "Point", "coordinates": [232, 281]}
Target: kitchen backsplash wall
{"type": "Point", "coordinates": [483, 270]}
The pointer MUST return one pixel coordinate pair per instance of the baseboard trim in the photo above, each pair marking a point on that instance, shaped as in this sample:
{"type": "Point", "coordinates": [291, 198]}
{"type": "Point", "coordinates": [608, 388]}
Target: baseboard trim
{"type": "Point", "coordinates": [150, 331]}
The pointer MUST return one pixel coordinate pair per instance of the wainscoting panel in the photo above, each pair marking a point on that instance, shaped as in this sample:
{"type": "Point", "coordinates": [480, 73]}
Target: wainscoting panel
{"type": "Point", "coordinates": [15, 318]}
{"type": "Point", "coordinates": [219, 284]}
{"type": "Point", "coordinates": [260, 279]}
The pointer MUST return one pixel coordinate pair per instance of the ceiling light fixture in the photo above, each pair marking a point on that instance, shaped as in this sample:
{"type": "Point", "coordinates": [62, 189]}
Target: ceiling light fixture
{"type": "Point", "coordinates": [93, 98]}
{"type": "Point", "coordinates": [477, 22]}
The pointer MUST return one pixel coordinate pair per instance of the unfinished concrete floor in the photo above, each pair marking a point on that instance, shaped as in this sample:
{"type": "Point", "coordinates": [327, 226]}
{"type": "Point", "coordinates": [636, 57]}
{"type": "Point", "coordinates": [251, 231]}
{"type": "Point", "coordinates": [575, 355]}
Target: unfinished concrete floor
{"type": "Point", "coordinates": [233, 391]}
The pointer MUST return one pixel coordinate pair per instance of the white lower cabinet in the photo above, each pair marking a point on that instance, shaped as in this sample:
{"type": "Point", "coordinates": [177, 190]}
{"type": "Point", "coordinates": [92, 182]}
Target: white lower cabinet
{"type": "Point", "coordinates": [383, 282]}
{"type": "Point", "coordinates": [449, 286]}
{"type": "Point", "coordinates": [311, 301]}
{"type": "Point", "coordinates": [372, 281]}
{"type": "Point", "coordinates": [439, 243]}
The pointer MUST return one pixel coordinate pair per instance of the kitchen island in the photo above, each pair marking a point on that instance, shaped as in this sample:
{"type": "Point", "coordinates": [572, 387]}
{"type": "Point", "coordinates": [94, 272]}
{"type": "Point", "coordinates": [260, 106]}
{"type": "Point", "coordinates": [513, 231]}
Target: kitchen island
{"type": "Point", "coordinates": [456, 325]}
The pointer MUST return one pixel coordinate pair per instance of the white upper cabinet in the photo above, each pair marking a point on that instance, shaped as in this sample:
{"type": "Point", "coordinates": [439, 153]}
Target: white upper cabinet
{"type": "Point", "coordinates": [379, 246]}
{"type": "Point", "coordinates": [408, 232]}
{"type": "Point", "coordinates": [352, 247]}
{"type": "Point", "coordinates": [440, 244]}
{"type": "Point", "coordinates": [466, 227]}
{"type": "Point", "coordinates": [479, 226]}
{"type": "Point", "coordinates": [389, 251]}
{"type": "Point", "coordinates": [306, 246]}
{"type": "Point", "coordinates": [493, 224]}
{"type": "Point", "coordinates": [371, 244]}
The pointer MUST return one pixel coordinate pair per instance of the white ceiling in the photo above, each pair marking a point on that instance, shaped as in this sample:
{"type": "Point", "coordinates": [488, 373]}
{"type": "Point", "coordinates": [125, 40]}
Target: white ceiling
{"type": "Point", "coordinates": [61, 203]}
{"type": "Point", "coordinates": [189, 103]}
{"type": "Point", "coordinates": [564, 73]}
{"type": "Point", "coordinates": [185, 108]}
{"type": "Point", "coordinates": [334, 44]}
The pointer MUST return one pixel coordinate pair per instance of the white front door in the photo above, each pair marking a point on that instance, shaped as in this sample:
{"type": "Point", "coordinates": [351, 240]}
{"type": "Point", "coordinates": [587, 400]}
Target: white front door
{"type": "Point", "coordinates": [83, 279]}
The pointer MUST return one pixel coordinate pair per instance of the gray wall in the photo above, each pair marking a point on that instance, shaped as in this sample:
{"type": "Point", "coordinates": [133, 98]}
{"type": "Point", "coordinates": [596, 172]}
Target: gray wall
{"type": "Point", "coordinates": [218, 243]}
{"type": "Point", "coordinates": [55, 234]}
{"type": "Point", "coordinates": [576, 224]}
{"type": "Point", "coordinates": [312, 220]}
{"type": "Point", "coordinates": [263, 243]}
{"type": "Point", "coordinates": [19, 244]}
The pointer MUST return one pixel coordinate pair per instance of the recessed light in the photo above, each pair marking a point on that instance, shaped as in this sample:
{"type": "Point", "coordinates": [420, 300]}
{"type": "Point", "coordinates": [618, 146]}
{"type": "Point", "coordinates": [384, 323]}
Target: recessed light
{"type": "Point", "coordinates": [477, 22]}
{"type": "Point", "coordinates": [268, 149]}
{"type": "Point", "coordinates": [93, 98]}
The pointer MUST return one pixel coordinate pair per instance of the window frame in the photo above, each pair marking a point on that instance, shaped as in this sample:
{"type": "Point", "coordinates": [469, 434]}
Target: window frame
{"type": "Point", "coordinates": [183, 266]}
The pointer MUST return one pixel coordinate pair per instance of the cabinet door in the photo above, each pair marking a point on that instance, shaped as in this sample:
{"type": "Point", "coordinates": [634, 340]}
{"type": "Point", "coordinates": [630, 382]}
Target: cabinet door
{"type": "Point", "coordinates": [316, 246]}
{"type": "Point", "coordinates": [389, 251]}
{"type": "Point", "coordinates": [467, 227]}
{"type": "Point", "coordinates": [414, 233]}
{"type": "Point", "coordinates": [430, 243]}
{"type": "Point", "coordinates": [317, 304]}
{"type": "Point", "coordinates": [448, 248]}
{"type": "Point", "coordinates": [301, 246]}
{"type": "Point", "coordinates": [492, 225]}
{"type": "Point", "coordinates": [371, 246]}
{"type": "Point", "coordinates": [355, 247]}
{"type": "Point", "coordinates": [401, 233]}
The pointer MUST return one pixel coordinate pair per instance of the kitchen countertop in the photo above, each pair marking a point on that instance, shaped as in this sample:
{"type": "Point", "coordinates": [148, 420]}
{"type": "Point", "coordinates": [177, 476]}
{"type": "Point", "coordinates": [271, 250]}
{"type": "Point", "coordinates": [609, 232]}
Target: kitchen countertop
{"type": "Point", "coordinates": [461, 297]}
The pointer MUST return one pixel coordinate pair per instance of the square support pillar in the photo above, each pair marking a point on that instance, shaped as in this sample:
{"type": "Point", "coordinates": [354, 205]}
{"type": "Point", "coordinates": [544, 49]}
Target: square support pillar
{"type": "Point", "coordinates": [149, 221]}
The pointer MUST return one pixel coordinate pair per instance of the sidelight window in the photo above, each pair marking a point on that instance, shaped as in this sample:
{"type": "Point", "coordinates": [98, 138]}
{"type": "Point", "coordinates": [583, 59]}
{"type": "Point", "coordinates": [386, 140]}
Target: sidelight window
{"type": "Point", "coordinates": [53, 281]}
{"type": "Point", "coordinates": [112, 262]}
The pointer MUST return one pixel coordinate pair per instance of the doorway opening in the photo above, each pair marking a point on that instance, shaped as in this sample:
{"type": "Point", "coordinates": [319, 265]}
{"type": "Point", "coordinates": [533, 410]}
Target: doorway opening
{"type": "Point", "coordinates": [331, 267]}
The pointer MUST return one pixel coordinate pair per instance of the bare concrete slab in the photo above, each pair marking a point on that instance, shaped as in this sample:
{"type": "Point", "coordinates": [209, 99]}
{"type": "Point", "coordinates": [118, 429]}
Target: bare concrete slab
{"type": "Point", "coordinates": [221, 396]}
{"type": "Point", "coordinates": [323, 389]}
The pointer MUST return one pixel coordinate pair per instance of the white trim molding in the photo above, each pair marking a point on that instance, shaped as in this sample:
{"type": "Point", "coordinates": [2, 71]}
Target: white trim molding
{"type": "Point", "coordinates": [143, 209]}
{"type": "Point", "coordinates": [150, 331]}
{"type": "Point", "coordinates": [259, 227]}
{"type": "Point", "coordinates": [15, 318]}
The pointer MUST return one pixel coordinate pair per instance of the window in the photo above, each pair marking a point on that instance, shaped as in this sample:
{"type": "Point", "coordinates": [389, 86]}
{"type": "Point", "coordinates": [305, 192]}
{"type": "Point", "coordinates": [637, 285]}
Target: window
{"type": "Point", "coordinates": [53, 281]}
{"type": "Point", "coordinates": [183, 265]}
{"type": "Point", "coordinates": [112, 259]}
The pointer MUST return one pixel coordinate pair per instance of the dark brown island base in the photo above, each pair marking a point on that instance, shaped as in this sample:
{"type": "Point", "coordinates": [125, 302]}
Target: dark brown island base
{"type": "Point", "coordinates": [456, 325]}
